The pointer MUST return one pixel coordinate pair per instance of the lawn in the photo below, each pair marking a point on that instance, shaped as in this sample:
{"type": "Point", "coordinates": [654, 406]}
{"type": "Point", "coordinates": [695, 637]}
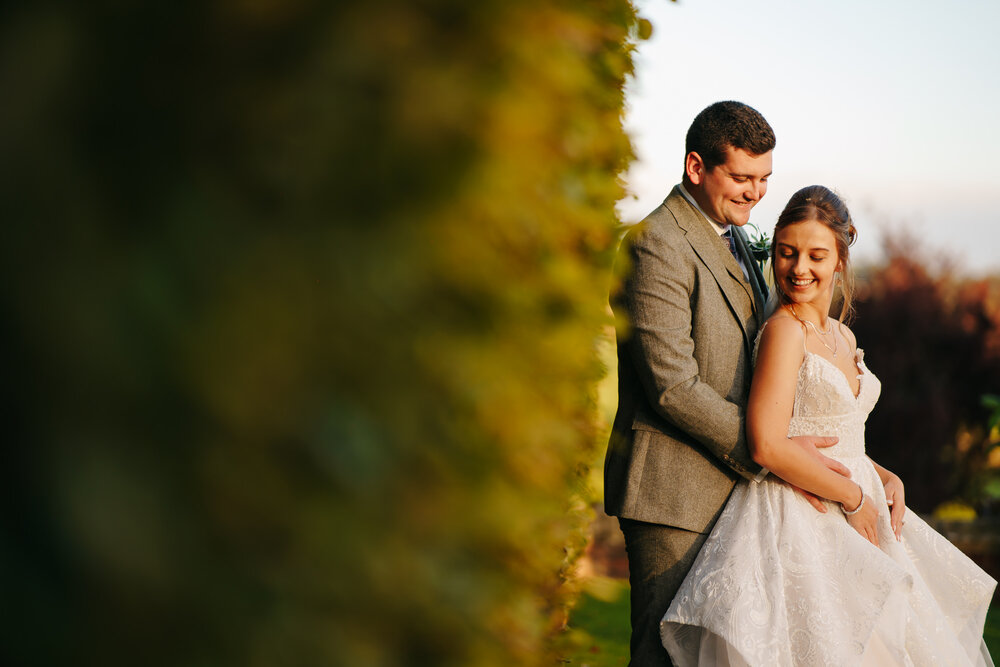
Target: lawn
{"type": "Point", "coordinates": [599, 626]}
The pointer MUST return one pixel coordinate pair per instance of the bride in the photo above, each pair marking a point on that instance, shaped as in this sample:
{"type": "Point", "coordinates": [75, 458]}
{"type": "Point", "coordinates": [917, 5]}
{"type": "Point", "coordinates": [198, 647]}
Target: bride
{"type": "Point", "coordinates": [864, 583]}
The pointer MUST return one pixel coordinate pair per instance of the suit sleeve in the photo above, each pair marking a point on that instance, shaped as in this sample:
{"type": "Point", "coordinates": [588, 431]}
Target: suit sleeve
{"type": "Point", "coordinates": [658, 298]}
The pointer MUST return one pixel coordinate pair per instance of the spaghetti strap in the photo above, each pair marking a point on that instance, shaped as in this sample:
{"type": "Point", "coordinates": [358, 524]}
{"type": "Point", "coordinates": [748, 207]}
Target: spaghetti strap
{"type": "Point", "coordinates": [756, 343]}
{"type": "Point", "coordinates": [805, 331]}
{"type": "Point", "coordinates": [760, 333]}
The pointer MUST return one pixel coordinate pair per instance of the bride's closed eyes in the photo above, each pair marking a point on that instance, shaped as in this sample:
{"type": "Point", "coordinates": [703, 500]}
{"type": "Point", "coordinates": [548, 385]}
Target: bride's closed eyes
{"type": "Point", "coordinates": [786, 252]}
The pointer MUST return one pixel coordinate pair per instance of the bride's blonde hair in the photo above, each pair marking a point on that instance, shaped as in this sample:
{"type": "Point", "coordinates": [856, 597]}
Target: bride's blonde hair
{"type": "Point", "coordinates": [816, 202]}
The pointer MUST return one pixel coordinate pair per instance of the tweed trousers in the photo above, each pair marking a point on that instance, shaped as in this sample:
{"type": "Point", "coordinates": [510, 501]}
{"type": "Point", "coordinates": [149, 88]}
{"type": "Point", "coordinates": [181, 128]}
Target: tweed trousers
{"type": "Point", "coordinates": [658, 558]}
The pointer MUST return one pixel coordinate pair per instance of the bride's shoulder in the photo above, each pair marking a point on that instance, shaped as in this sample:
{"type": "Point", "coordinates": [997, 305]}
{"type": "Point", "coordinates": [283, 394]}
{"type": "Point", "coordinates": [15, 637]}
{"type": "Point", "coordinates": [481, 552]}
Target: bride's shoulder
{"type": "Point", "coordinates": [848, 334]}
{"type": "Point", "coordinates": [781, 335]}
{"type": "Point", "coordinates": [781, 326]}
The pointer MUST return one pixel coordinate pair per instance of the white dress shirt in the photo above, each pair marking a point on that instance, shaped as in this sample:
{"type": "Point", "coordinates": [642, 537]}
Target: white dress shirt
{"type": "Point", "coordinates": [719, 228]}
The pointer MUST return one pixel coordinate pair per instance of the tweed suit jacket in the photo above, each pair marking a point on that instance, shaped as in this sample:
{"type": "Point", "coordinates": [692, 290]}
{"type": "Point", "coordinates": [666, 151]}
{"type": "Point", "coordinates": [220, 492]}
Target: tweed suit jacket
{"type": "Point", "coordinates": [690, 319]}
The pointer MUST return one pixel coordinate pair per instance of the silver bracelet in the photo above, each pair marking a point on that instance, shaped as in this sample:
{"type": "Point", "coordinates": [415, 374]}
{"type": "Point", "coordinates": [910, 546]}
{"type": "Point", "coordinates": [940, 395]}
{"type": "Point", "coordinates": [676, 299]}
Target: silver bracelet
{"type": "Point", "coordinates": [856, 509]}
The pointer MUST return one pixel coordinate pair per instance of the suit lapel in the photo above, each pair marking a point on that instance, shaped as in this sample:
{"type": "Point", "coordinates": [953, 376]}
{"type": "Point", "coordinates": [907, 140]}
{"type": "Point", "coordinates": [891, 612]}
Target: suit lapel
{"type": "Point", "coordinates": [712, 251]}
{"type": "Point", "coordinates": [757, 281]}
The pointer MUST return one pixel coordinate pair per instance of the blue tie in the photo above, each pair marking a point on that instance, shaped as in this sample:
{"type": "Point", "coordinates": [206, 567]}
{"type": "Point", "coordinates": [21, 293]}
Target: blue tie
{"type": "Point", "coordinates": [731, 243]}
{"type": "Point", "coordinates": [727, 236]}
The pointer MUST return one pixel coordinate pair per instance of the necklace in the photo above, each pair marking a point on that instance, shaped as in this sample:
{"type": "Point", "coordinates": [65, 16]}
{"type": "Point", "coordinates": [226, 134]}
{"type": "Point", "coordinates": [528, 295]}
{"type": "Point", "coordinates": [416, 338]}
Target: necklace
{"type": "Point", "coordinates": [819, 334]}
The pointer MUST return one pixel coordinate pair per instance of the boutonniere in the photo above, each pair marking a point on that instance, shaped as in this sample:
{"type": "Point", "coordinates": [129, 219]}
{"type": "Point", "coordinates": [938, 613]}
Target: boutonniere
{"type": "Point", "coordinates": [760, 245]}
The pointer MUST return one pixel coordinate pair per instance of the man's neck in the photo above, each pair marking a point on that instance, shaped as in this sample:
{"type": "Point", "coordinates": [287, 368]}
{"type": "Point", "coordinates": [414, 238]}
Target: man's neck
{"type": "Point", "coordinates": [717, 226]}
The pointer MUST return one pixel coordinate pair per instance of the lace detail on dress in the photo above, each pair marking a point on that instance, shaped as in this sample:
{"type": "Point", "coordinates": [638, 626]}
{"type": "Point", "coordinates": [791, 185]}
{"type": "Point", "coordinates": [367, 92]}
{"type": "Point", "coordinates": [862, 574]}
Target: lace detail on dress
{"type": "Point", "coordinates": [778, 583]}
{"type": "Point", "coordinates": [825, 405]}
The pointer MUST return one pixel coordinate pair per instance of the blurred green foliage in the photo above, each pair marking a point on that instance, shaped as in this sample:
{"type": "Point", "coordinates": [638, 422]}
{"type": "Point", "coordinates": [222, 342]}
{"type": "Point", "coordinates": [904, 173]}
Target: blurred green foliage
{"type": "Point", "coordinates": [300, 305]}
{"type": "Point", "coordinates": [992, 403]}
{"type": "Point", "coordinates": [987, 483]}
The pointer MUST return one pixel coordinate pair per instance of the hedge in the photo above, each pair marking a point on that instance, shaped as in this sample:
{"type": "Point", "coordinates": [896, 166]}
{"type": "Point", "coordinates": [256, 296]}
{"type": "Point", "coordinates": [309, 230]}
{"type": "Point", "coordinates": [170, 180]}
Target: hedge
{"type": "Point", "coordinates": [300, 308]}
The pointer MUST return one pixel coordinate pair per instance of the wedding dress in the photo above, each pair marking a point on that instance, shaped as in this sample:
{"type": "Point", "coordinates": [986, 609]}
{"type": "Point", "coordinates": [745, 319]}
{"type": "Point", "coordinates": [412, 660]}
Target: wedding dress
{"type": "Point", "coordinates": [778, 583]}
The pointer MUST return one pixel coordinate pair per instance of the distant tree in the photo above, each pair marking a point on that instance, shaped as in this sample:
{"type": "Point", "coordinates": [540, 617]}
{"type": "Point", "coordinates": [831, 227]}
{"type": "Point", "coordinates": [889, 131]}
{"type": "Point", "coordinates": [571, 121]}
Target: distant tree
{"type": "Point", "coordinates": [933, 338]}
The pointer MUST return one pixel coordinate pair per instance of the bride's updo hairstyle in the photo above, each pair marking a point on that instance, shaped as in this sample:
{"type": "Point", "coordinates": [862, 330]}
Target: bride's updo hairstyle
{"type": "Point", "coordinates": [818, 203]}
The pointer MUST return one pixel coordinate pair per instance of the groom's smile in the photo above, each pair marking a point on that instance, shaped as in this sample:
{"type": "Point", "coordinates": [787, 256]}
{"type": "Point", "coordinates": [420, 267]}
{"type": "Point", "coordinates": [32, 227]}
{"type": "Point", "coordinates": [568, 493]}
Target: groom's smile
{"type": "Point", "coordinates": [728, 191]}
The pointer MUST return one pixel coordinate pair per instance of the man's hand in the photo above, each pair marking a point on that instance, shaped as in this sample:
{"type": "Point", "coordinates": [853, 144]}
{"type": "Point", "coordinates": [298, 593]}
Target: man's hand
{"type": "Point", "coordinates": [811, 445]}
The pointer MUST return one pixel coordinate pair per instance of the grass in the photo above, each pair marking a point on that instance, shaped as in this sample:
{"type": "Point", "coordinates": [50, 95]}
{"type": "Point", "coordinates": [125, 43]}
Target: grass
{"type": "Point", "coordinates": [599, 626]}
{"type": "Point", "coordinates": [991, 633]}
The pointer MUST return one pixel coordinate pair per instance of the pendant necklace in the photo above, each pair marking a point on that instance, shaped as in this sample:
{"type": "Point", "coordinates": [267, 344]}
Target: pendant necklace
{"type": "Point", "coordinates": [819, 334]}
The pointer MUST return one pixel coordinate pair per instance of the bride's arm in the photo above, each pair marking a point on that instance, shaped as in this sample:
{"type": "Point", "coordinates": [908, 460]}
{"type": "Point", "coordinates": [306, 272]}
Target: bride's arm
{"type": "Point", "coordinates": [769, 411]}
{"type": "Point", "coordinates": [894, 497]}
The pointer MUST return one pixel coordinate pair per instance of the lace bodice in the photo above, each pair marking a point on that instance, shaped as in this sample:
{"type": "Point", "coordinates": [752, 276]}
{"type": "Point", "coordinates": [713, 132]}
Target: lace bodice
{"type": "Point", "coordinates": [826, 405]}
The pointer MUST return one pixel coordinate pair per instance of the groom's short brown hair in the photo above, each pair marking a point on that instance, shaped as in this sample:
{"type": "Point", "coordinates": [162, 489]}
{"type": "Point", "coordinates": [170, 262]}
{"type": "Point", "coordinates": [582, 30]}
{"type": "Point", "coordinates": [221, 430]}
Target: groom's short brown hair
{"type": "Point", "coordinates": [724, 125]}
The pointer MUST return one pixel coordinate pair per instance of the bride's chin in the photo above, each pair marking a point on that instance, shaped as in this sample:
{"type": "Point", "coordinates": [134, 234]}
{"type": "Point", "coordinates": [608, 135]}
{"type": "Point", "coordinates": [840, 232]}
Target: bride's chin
{"type": "Point", "coordinates": [794, 297]}
{"type": "Point", "coordinates": [797, 299]}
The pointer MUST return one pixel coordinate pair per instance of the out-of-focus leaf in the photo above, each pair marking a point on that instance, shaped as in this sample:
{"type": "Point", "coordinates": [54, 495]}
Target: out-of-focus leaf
{"type": "Point", "coordinates": [301, 304]}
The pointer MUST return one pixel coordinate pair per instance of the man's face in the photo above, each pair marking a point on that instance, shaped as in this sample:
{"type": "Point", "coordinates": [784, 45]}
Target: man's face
{"type": "Point", "coordinates": [729, 190]}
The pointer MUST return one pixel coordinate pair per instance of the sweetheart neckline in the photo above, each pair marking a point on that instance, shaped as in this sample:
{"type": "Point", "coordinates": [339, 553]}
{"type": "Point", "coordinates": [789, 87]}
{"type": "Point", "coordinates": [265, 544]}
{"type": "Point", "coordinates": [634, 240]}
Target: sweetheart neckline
{"type": "Point", "coordinates": [857, 363]}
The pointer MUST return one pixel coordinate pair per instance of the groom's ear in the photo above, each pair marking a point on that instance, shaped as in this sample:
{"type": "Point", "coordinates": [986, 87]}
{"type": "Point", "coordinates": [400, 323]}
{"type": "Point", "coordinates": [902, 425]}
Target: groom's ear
{"type": "Point", "coordinates": [694, 168]}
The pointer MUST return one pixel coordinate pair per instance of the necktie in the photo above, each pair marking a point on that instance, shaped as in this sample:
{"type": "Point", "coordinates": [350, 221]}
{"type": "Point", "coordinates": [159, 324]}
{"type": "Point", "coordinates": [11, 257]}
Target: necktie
{"type": "Point", "coordinates": [731, 243]}
{"type": "Point", "coordinates": [727, 236]}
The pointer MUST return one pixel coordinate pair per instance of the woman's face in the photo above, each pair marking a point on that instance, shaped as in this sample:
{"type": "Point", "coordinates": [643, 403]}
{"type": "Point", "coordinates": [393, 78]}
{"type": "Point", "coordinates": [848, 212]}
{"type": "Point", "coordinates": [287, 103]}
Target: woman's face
{"type": "Point", "coordinates": [805, 259]}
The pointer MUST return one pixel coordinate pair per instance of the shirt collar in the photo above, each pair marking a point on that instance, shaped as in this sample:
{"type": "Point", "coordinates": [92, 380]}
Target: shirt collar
{"type": "Point", "coordinates": [719, 229]}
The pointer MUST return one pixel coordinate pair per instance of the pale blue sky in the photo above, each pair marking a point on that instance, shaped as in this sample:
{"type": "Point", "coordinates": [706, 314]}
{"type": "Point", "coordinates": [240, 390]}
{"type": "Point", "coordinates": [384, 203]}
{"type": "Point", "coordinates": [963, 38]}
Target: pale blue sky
{"type": "Point", "coordinates": [894, 104]}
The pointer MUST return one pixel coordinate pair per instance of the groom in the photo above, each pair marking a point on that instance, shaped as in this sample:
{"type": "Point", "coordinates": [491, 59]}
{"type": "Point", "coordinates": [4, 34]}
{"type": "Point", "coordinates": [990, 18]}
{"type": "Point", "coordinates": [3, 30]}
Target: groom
{"type": "Point", "coordinates": [693, 299]}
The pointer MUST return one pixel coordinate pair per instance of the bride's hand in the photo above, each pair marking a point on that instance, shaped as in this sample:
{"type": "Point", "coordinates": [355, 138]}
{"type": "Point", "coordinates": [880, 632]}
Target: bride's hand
{"type": "Point", "coordinates": [896, 500]}
{"type": "Point", "coordinates": [865, 520]}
